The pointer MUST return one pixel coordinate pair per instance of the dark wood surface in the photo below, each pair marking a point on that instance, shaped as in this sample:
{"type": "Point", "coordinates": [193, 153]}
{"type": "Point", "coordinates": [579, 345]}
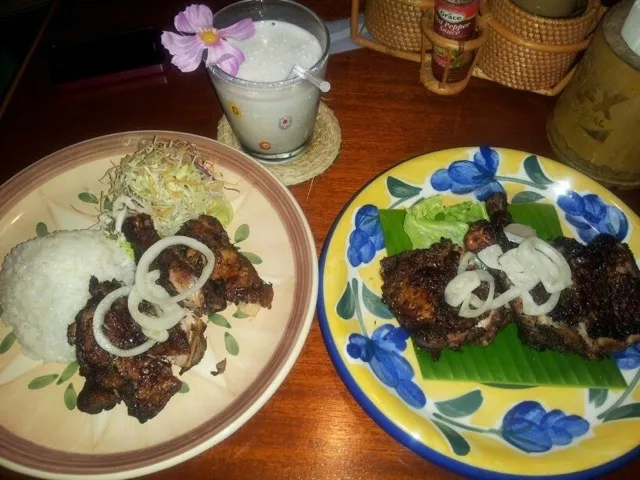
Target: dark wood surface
{"type": "Point", "coordinates": [312, 428]}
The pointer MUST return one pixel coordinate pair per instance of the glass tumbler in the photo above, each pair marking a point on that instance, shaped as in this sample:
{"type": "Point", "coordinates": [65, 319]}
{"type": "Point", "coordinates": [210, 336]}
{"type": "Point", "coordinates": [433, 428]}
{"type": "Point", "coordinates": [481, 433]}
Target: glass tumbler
{"type": "Point", "coordinates": [272, 120]}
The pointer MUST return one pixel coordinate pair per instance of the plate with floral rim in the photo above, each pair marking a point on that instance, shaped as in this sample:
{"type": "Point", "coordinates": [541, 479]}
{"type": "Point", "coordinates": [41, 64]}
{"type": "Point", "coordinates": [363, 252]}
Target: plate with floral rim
{"type": "Point", "coordinates": [477, 430]}
{"type": "Point", "coordinates": [42, 433]}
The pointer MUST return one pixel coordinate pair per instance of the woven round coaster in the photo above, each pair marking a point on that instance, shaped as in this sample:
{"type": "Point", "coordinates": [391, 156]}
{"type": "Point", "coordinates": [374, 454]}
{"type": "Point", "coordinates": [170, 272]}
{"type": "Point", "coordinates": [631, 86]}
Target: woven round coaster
{"type": "Point", "coordinates": [318, 157]}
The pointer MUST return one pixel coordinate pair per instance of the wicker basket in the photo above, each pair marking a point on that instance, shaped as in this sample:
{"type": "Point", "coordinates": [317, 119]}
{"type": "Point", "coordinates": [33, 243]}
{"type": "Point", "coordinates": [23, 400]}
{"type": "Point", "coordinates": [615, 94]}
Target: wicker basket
{"type": "Point", "coordinates": [395, 23]}
{"type": "Point", "coordinates": [529, 52]}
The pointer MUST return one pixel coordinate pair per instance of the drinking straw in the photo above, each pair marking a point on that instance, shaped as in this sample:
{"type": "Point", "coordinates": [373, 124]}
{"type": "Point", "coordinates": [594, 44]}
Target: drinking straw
{"type": "Point", "coordinates": [323, 85]}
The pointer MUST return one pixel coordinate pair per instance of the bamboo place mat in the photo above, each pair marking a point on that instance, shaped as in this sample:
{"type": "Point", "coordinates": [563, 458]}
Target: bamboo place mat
{"type": "Point", "coordinates": [317, 158]}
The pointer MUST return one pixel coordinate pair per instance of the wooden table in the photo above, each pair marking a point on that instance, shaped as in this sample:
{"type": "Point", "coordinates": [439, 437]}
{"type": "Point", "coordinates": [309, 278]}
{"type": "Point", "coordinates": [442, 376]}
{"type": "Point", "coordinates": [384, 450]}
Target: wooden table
{"type": "Point", "coordinates": [312, 427]}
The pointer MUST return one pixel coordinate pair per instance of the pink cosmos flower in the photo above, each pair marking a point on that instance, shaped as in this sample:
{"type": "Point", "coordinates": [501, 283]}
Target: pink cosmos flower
{"type": "Point", "coordinates": [187, 50]}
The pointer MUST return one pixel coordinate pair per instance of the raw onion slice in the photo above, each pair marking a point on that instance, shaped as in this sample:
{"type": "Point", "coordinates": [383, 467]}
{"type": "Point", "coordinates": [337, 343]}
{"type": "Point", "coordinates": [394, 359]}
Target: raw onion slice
{"type": "Point", "coordinates": [170, 315]}
{"type": "Point", "coordinates": [154, 251]}
{"type": "Point", "coordinates": [459, 288]}
{"type": "Point", "coordinates": [467, 259]}
{"type": "Point", "coordinates": [466, 311]}
{"type": "Point", "coordinates": [506, 297]}
{"type": "Point", "coordinates": [564, 270]}
{"type": "Point", "coordinates": [157, 335]}
{"type": "Point", "coordinates": [517, 232]}
{"type": "Point", "coordinates": [490, 256]}
{"type": "Point", "coordinates": [534, 261]}
{"type": "Point", "coordinates": [101, 337]}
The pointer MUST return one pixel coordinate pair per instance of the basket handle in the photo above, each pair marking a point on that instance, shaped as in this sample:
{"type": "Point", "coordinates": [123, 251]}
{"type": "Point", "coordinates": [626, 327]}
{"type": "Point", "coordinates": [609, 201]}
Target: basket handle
{"type": "Point", "coordinates": [423, 4]}
{"type": "Point", "coordinates": [523, 42]}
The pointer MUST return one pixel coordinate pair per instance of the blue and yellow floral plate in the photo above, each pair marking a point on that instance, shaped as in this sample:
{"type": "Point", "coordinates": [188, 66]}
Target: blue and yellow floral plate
{"type": "Point", "coordinates": [490, 431]}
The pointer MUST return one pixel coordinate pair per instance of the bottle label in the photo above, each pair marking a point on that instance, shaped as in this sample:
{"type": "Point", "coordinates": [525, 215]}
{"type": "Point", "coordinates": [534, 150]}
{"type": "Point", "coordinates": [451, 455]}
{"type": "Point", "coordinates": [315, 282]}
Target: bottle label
{"type": "Point", "coordinates": [455, 19]}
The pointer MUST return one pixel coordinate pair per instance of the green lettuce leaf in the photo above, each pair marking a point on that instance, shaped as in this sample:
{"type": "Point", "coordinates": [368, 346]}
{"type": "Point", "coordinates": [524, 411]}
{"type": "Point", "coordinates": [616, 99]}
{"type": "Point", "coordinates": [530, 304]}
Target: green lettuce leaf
{"type": "Point", "coordinates": [427, 221]}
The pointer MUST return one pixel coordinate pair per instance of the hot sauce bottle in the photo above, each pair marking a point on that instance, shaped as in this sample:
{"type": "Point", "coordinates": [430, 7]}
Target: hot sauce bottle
{"type": "Point", "coordinates": [455, 19]}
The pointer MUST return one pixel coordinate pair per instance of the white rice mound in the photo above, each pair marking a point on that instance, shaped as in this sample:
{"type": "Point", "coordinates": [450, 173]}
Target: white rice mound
{"type": "Point", "coordinates": [44, 283]}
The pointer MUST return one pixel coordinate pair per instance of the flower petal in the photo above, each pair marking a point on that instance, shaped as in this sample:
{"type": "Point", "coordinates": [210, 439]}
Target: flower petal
{"type": "Point", "coordinates": [528, 437]}
{"type": "Point", "coordinates": [488, 189]}
{"type": "Point", "coordinates": [358, 238]}
{"type": "Point", "coordinates": [529, 410]}
{"type": "Point", "coordinates": [380, 334]}
{"type": "Point", "coordinates": [614, 222]}
{"type": "Point", "coordinates": [378, 240]}
{"type": "Point", "coordinates": [239, 31]}
{"type": "Point", "coordinates": [551, 417]}
{"type": "Point", "coordinates": [358, 339]}
{"type": "Point", "coordinates": [225, 56]}
{"type": "Point", "coordinates": [574, 424]}
{"type": "Point", "coordinates": [360, 346]}
{"type": "Point", "coordinates": [467, 173]}
{"type": "Point", "coordinates": [587, 234]}
{"type": "Point", "coordinates": [440, 180]}
{"type": "Point", "coordinates": [353, 257]}
{"type": "Point", "coordinates": [180, 44]}
{"type": "Point", "coordinates": [230, 65]}
{"type": "Point", "coordinates": [193, 19]}
{"type": "Point", "coordinates": [411, 394]}
{"type": "Point", "coordinates": [383, 367]}
{"type": "Point", "coordinates": [367, 252]}
{"type": "Point", "coordinates": [367, 219]}
{"type": "Point", "coordinates": [628, 359]}
{"type": "Point", "coordinates": [559, 436]}
{"type": "Point", "coordinates": [402, 366]}
{"type": "Point", "coordinates": [399, 338]}
{"type": "Point", "coordinates": [188, 61]}
{"type": "Point", "coordinates": [594, 208]}
{"type": "Point", "coordinates": [353, 350]}
{"type": "Point", "coordinates": [577, 222]}
{"type": "Point", "coordinates": [487, 159]}
{"type": "Point", "coordinates": [572, 203]}
{"type": "Point", "coordinates": [461, 189]}
{"type": "Point", "coordinates": [390, 338]}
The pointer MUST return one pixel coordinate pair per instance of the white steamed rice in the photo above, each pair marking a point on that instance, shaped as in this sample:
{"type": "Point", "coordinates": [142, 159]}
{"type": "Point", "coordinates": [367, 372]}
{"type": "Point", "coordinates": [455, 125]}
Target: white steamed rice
{"type": "Point", "coordinates": [44, 282]}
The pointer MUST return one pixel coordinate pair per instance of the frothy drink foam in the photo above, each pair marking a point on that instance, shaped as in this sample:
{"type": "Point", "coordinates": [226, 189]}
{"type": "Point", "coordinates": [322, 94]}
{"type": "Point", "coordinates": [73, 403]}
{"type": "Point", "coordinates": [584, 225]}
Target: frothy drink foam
{"type": "Point", "coordinates": [274, 49]}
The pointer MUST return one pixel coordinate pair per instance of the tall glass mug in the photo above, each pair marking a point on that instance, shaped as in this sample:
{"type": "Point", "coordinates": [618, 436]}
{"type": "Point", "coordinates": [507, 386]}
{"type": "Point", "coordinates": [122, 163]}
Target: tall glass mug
{"type": "Point", "coordinates": [272, 120]}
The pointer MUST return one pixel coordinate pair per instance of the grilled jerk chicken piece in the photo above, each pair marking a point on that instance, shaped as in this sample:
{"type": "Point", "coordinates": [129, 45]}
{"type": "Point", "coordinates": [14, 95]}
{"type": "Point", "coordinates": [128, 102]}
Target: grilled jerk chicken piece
{"type": "Point", "coordinates": [597, 315]}
{"type": "Point", "coordinates": [234, 279]}
{"type": "Point", "coordinates": [600, 313]}
{"type": "Point", "coordinates": [145, 382]}
{"type": "Point", "coordinates": [241, 281]}
{"type": "Point", "coordinates": [177, 272]}
{"type": "Point", "coordinates": [140, 232]}
{"type": "Point", "coordinates": [413, 288]}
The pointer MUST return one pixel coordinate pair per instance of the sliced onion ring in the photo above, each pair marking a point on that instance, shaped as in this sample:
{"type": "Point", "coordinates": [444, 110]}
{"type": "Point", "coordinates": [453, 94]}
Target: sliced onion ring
{"type": "Point", "coordinates": [170, 315]}
{"type": "Point", "coordinates": [458, 289]}
{"type": "Point", "coordinates": [517, 232]}
{"type": "Point", "coordinates": [466, 260]}
{"type": "Point", "coordinates": [490, 256]}
{"type": "Point", "coordinates": [466, 311]}
{"type": "Point", "coordinates": [101, 337]}
{"type": "Point", "coordinates": [152, 253]}
{"type": "Point", "coordinates": [530, 307]}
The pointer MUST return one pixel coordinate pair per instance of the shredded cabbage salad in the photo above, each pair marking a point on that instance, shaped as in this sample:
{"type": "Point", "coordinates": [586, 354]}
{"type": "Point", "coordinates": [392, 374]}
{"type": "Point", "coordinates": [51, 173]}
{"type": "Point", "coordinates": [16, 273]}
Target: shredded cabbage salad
{"type": "Point", "coordinates": [170, 181]}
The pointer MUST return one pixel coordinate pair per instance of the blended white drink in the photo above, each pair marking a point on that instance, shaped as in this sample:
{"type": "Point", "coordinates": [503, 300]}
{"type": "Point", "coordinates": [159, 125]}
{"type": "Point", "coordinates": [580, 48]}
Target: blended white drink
{"type": "Point", "coordinates": [273, 118]}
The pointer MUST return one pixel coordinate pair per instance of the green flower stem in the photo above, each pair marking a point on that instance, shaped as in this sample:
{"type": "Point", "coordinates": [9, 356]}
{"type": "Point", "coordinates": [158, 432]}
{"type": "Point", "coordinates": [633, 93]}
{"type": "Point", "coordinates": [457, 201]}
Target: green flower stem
{"type": "Point", "coordinates": [518, 180]}
{"type": "Point", "coordinates": [444, 419]}
{"type": "Point", "coordinates": [358, 310]}
{"type": "Point", "coordinates": [623, 397]}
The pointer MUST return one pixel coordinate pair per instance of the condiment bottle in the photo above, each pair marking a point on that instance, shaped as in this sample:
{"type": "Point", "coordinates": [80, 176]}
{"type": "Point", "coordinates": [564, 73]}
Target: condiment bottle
{"type": "Point", "coordinates": [455, 19]}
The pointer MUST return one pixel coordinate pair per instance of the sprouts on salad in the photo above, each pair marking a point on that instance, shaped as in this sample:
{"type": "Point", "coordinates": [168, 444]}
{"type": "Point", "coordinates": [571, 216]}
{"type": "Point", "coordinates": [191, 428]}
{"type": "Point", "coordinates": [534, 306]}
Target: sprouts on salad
{"type": "Point", "coordinates": [168, 180]}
